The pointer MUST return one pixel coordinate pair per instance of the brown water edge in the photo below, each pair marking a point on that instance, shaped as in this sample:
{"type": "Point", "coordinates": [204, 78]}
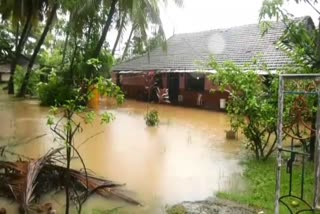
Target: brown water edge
{"type": "Point", "coordinates": [186, 158]}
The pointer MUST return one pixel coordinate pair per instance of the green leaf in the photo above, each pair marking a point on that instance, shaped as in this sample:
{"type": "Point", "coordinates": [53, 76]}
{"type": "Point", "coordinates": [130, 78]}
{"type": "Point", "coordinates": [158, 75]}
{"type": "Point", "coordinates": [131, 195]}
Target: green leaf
{"type": "Point", "coordinates": [107, 117]}
{"type": "Point", "coordinates": [50, 120]}
{"type": "Point", "coordinates": [90, 117]}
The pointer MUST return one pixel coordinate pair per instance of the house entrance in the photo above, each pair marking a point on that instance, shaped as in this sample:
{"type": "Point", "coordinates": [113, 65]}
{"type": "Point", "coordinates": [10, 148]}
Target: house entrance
{"type": "Point", "coordinates": [173, 87]}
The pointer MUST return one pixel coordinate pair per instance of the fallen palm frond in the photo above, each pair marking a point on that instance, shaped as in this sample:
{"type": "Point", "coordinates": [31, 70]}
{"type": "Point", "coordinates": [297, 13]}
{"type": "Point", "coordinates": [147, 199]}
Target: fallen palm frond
{"type": "Point", "coordinates": [26, 181]}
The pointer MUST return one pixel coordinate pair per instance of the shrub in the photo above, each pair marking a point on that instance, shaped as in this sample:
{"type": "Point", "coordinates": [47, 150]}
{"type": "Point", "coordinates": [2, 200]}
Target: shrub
{"type": "Point", "coordinates": [177, 209]}
{"type": "Point", "coordinates": [152, 118]}
{"type": "Point", "coordinates": [55, 92]}
{"type": "Point", "coordinates": [252, 103]}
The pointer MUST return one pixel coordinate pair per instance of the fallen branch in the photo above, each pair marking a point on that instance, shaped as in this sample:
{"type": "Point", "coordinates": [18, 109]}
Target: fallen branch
{"type": "Point", "coordinates": [26, 181]}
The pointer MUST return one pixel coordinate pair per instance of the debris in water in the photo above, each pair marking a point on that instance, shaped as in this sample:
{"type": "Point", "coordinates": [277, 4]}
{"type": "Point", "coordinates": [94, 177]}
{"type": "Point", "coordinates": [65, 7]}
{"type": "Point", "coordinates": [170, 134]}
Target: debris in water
{"type": "Point", "coordinates": [26, 181]}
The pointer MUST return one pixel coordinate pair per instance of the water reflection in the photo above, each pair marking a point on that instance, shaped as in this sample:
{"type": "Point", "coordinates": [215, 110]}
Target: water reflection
{"type": "Point", "coordinates": [185, 158]}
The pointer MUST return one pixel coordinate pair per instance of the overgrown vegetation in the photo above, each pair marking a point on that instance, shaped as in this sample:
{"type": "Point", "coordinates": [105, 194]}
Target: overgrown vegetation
{"type": "Point", "coordinates": [253, 98]}
{"type": "Point", "coordinates": [32, 86]}
{"type": "Point", "coordinates": [177, 209]}
{"type": "Point", "coordinates": [63, 124]}
{"type": "Point", "coordinates": [253, 109]}
{"type": "Point", "coordinates": [252, 105]}
{"type": "Point", "coordinates": [26, 181]}
{"type": "Point", "coordinates": [301, 42]}
{"type": "Point", "coordinates": [72, 32]}
{"type": "Point", "coordinates": [259, 178]}
{"type": "Point", "coordinates": [54, 92]}
{"type": "Point", "coordinates": [111, 211]}
{"type": "Point", "coordinates": [65, 44]}
{"type": "Point", "coordinates": [152, 118]}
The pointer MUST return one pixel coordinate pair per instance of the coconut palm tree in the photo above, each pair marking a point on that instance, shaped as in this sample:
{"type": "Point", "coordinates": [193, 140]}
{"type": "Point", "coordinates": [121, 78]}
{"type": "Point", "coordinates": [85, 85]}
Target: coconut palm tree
{"type": "Point", "coordinates": [24, 13]}
{"type": "Point", "coordinates": [121, 24]}
{"type": "Point", "coordinates": [52, 7]}
{"type": "Point", "coordinates": [144, 14]}
{"type": "Point", "coordinates": [138, 13]}
{"type": "Point", "coordinates": [106, 27]}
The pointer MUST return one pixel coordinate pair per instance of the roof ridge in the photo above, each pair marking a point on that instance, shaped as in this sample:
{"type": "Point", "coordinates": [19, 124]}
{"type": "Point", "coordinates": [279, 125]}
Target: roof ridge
{"type": "Point", "coordinates": [219, 29]}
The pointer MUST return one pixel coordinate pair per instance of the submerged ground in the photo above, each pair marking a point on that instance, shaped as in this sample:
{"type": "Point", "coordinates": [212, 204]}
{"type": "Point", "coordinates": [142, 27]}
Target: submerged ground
{"type": "Point", "coordinates": [186, 158]}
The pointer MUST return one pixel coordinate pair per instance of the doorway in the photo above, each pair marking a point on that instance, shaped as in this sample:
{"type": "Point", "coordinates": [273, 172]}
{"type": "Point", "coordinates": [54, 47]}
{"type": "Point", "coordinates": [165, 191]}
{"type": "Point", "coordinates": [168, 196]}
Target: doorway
{"type": "Point", "coordinates": [173, 87]}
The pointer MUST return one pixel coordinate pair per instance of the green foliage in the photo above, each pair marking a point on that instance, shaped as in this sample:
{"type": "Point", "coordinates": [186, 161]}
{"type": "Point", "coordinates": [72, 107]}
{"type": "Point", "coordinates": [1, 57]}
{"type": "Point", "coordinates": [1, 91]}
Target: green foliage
{"type": "Point", "coordinates": [300, 39]}
{"type": "Point", "coordinates": [95, 63]}
{"type": "Point", "coordinates": [140, 46]}
{"type": "Point", "coordinates": [107, 61]}
{"type": "Point", "coordinates": [6, 44]}
{"type": "Point", "coordinates": [107, 117]}
{"type": "Point", "coordinates": [259, 178]}
{"type": "Point", "coordinates": [152, 118]}
{"type": "Point", "coordinates": [62, 124]}
{"type": "Point", "coordinates": [107, 88]}
{"type": "Point", "coordinates": [90, 117]}
{"type": "Point", "coordinates": [252, 106]}
{"type": "Point", "coordinates": [301, 42]}
{"type": "Point", "coordinates": [54, 92]}
{"type": "Point", "coordinates": [177, 209]}
{"type": "Point", "coordinates": [33, 81]}
{"type": "Point", "coordinates": [50, 59]}
{"type": "Point", "coordinates": [111, 211]}
{"type": "Point", "coordinates": [79, 32]}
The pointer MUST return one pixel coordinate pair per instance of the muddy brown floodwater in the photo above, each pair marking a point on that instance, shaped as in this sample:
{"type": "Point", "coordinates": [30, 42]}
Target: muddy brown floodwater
{"type": "Point", "coordinates": [185, 158]}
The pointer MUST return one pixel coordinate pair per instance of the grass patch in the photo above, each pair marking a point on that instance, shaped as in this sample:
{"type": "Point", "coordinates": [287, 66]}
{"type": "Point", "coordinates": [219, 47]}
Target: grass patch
{"type": "Point", "coordinates": [260, 178]}
{"type": "Point", "coordinates": [177, 209]}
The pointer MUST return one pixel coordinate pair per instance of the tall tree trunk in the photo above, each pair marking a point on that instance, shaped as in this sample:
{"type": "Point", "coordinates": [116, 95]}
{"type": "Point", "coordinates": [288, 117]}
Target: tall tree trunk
{"type": "Point", "coordinates": [119, 34]}
{"type": "Point", "coordinates": [65, 48]}
{"type": "Point", "coordinates": [88, 35]}
{"type": "Point", "coordinates": [105, 28]}
{"type": "Point", "coordinates": [128, 42]}
{"type": "Point", "coordinates": [66, 42]}
{"type": "Point", "coordinates": [72, 60]}
{"type": "Point", "coordinates": [23, 38]}
{"type": "Point", "coordinates": [22, 91]}
{"type": "Point", "coordinates": [17, 35]}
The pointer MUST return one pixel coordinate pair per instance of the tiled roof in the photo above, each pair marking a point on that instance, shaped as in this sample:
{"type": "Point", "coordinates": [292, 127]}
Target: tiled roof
{"type": "Point", "coordinates": [239, 44]}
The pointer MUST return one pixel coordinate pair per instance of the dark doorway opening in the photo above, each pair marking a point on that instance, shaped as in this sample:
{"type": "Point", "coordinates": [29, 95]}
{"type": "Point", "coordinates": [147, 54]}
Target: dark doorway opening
{"type": "Point", "coordinates": [173, 87]}
{"type": "Point", "coordinates": [118, 82]}
{"type": "Point", "coordinates": [195, 82]}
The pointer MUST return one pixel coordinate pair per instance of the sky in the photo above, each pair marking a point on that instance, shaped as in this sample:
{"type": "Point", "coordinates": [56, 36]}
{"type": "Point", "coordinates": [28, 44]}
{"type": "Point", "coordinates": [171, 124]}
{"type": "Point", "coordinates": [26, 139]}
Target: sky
{"type": "Point", "coordinates": [200, 15]}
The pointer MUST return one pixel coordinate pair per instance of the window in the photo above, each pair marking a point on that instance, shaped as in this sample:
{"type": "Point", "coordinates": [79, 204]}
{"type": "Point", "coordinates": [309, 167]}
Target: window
{"type": "Point", "coordinates": [195, 82]}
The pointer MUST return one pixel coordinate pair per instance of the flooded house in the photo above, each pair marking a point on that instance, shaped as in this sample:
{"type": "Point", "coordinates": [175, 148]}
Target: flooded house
{"type": "Point", "coordinates": [178, 68]}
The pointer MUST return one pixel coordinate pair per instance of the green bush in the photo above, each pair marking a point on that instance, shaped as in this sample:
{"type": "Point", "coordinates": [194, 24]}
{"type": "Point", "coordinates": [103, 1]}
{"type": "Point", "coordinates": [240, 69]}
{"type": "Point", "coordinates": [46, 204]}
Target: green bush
{"type": "Point", "coordinates": [32, 83]}
{"type": "Point", "coordinates": [152, 118]}
{"type": "Point", "coordinates": [55, 92]}
{"type": "Point", "coordinates": [111, 211]}
{"type": "Point", "coordinates": [177, 209]}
